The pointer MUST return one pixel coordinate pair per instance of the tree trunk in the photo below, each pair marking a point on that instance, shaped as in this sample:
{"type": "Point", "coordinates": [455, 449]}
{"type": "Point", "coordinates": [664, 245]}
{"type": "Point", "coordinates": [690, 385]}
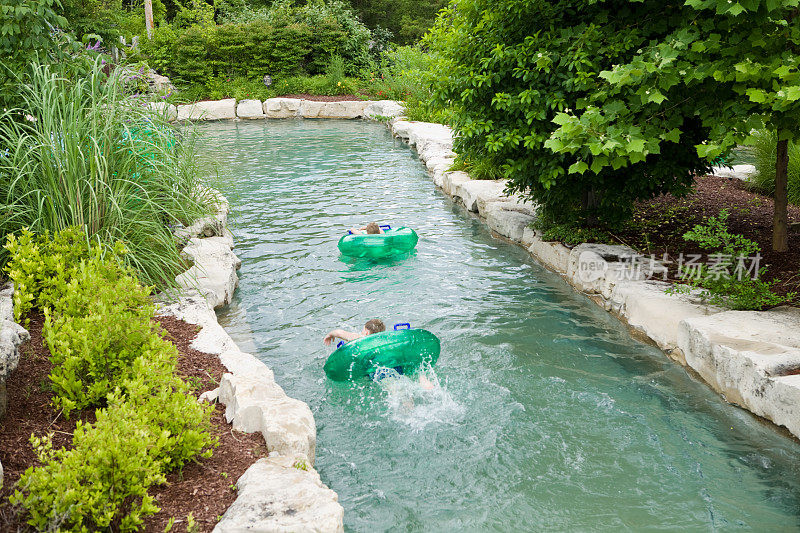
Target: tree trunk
{"type": "Point", "coordinates": [780, 219]}
{"type": "Point", "coordinates": [148, 17]}
{"type": "Point", "coordinates": [591, 202]}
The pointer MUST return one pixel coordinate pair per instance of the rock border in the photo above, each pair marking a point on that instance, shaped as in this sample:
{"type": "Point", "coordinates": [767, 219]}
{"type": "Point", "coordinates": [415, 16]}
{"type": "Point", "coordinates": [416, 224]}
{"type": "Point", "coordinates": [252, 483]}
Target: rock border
{"type": "Point", "coordinates": [281, 492]}
{"type": "Point", "coordinates": [750, 357]}
{"type": "Point", "coordinates": [276, 108]}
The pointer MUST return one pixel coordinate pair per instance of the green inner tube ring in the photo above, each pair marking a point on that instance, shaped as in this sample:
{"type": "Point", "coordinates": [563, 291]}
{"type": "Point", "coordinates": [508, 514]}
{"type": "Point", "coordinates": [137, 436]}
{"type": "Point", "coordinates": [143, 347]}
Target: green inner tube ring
{"type": "Point", "coordinates": [405, 348]}
{"type": "Point", "coordinates": [391, 242]}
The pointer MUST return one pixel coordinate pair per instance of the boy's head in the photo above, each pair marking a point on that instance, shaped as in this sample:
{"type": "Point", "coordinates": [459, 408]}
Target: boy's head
{"type": "Point", "coordinates": [373, 228]}
{"type": "Point", "coordinates": [374, 326]}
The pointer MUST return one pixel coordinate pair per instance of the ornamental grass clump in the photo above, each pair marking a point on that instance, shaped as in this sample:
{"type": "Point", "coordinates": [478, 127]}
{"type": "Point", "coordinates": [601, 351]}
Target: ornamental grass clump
{"type": "Point", "coordinates": [80, 152]}
{"type": "Point", "coordinates": [764, 149]}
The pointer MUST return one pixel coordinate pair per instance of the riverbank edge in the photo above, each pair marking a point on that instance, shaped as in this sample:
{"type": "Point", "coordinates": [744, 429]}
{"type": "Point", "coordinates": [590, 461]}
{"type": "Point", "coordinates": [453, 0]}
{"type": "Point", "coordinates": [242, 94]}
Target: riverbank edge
{"type": "Point", "coordinates": [751, 358]}
{"type": "Point", "coordinates": [283, 491]}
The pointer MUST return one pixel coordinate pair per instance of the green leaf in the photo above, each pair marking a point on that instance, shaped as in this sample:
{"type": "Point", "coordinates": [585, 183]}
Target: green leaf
{"type": "Point", "coordinates": [578, 167]}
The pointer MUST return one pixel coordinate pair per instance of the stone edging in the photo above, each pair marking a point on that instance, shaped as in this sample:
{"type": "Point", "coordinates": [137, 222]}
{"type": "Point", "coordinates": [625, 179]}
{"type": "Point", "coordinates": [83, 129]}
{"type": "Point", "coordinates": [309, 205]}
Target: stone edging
{"type": "Point", "coordinates": [12, 336]}
{"type": "Point", "coordinates": [281, 492]}
{"type": "Point", "coordinates": [743, 355]}
{"type": "Point", "coordinates": [229, 109]}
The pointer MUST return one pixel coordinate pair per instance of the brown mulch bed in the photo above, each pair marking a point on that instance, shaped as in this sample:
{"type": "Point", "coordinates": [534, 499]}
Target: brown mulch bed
{"type": "Point", "coordinates": [204, 489]}
{"type": "Point", "coordinates": [321, 98]}
{"type": "Point", "coordinates": [659, 225]}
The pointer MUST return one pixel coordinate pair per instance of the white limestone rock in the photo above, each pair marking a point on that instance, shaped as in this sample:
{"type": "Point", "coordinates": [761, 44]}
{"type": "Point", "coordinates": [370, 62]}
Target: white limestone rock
{"type": "Point", "coordinates": [739, 172]}
{"type": "Point", "coordinates": [647, 308]}
{"type": "Point", "coordinates": [214, 271]}
{"type": "Point", "coordinates": [439, 164]}
{"type": "Point", "coordinates": [553, 255]}
{"type": "Point", "coordinates": [430, 140]}
{"type": "Point", "coordinates": [502, 218]}
{"type": "Point", "coordinates": [255, 405]}
{"type": "Point", "coordinates": [282, 107]}
{"type": "Point", "coordinates": [159, 83]}
{"type": "Point", "coordinates": [209, 396]}
{"type": "Point", "coordinates": [193, 308]}
{"type": "Point", "coordinates": [282, 494]}
{"type": "Point", "coordinates": [250, 109]}
{"type": "Point", "coordinates": [745, 355]}
{"type": "Point", "coordinates": [451, 181]}
{"type": "Point", "coordinates": [342, 110]}
{"type": "Point", "coordinates": [208, 110]}
{"type": "Point", "coordinates": [168, 111]}
{"type": "Point", "coordinates": [384, 109]}
{"type": "Point", "coordinates": [470, 191]}
{"type": "Point", "coordinates": [12, 336]}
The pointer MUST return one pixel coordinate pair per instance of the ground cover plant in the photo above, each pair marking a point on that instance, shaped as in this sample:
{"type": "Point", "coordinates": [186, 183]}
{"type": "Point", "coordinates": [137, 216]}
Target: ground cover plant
{"type": "Point", "coordinates": [80, 152]}
{"type": "Point", "coordinates": [107, 353]}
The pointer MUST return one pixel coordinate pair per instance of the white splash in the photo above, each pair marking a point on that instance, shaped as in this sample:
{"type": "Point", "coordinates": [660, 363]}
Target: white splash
{"type": "Point", "coordinates": [420, 400]}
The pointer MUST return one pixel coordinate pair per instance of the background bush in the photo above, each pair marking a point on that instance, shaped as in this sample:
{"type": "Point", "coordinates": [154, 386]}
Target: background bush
{"type": "Point", "coordinates": [280, 41]}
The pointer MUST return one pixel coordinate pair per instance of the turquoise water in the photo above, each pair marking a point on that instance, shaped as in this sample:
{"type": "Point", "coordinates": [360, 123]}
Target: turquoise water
{"type": "Point", "coordinates": [547, 414]}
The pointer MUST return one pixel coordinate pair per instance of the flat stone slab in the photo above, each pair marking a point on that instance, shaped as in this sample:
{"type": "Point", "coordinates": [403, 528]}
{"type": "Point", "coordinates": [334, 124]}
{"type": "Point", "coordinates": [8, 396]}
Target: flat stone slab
{"type": "Point", "coordinates": [739, 172]}
{"type": "Point", "coordinates": [504, 219]}
{"type": "Point", "coordinates": [208, 110]}
{"type": "Point", "coordinates": [384, 109]}
{"type": "Point", "coordinates": [749, 356]}
{"type": "Point", "coordinates": [282, 107]}
{"type": "Point", "coordinates": [282, 494]}
{"type": "Point", "coordinates": [488, 190]}
{"type": "Point", "coordinates": [341, 110]}
{"type": "Point", "coordinates": [250, 109]}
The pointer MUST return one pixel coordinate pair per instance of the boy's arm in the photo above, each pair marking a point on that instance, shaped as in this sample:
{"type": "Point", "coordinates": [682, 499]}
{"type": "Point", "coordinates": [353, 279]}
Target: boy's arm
{"type": "Point", "coordinates": [346, 336]}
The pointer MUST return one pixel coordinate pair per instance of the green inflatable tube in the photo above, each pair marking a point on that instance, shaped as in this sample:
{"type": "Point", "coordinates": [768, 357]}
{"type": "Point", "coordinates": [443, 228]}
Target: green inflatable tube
{"type": "Point", "coordinates": [404, 348]}
{"type": "Point", "coordinates": [391, 242]}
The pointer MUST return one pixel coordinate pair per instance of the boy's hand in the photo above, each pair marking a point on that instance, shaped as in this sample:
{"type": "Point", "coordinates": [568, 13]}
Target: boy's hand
{"type": "Point", "coordinates": [328, 338]}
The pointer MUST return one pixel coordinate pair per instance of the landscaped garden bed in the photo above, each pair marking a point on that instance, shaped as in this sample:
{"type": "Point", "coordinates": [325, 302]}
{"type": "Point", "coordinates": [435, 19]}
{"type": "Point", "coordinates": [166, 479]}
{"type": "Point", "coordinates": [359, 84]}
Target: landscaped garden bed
{"type": "Point", "coordinates": [204, 488]}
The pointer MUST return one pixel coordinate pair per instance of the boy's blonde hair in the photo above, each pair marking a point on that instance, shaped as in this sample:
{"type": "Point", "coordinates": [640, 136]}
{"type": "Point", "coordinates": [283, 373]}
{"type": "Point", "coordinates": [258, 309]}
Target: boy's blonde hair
{"type": "Point", "coordinates": [373, 228]}
{"type": "Point", "coordinates": [375, 326]}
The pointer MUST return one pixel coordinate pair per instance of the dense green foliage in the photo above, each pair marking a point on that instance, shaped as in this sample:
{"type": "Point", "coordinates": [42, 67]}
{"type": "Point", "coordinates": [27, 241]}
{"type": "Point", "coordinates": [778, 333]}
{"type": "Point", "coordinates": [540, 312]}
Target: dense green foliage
{"type": "Point", "coordinates": [280, 41]}
{"type": "Point", "coordinates": [588, 106]}
{"type": "Point", "coordinates": [515, 66]}
{"type": "Point", "coordinates": [406, 20]}
{"type": "Point", "coordinates": [104, 350]}
{"type": "Point", "coordinates": [106, 20]}
{"type": "Point", "coordinates": [100, 161]}
{"type": "Point", "coordinates": [26, 33]}
{"type": "Point", "coordinates": [764, 150]}
{"type": "Point", "coordinates": [725, 278]}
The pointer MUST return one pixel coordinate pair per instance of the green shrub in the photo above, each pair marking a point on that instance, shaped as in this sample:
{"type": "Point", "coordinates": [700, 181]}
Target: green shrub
{"type": "Point", "coordinates": [104, 349]}
{"type": "Point", "coordinates": [98, 160]}
{"type": "Point", "coordinates": [726, 282]}
{"type": "Point", "coordinates": [570, 233]}
{"type": "Point", "coordinates": [40, 267]}
{"type": "Point", "coordinates": [764, 153]}
{"type": "Point", "coordinates": [96, 330]}
{"type": "Point", "coordinates": [102, 481]}
{"type": "Point", "coordinates": [283, 40]}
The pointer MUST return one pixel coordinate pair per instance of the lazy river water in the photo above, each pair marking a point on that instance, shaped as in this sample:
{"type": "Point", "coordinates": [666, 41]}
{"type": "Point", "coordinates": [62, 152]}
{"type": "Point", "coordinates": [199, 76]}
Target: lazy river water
{"type": "Point", "coordinates": [548, 415]}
